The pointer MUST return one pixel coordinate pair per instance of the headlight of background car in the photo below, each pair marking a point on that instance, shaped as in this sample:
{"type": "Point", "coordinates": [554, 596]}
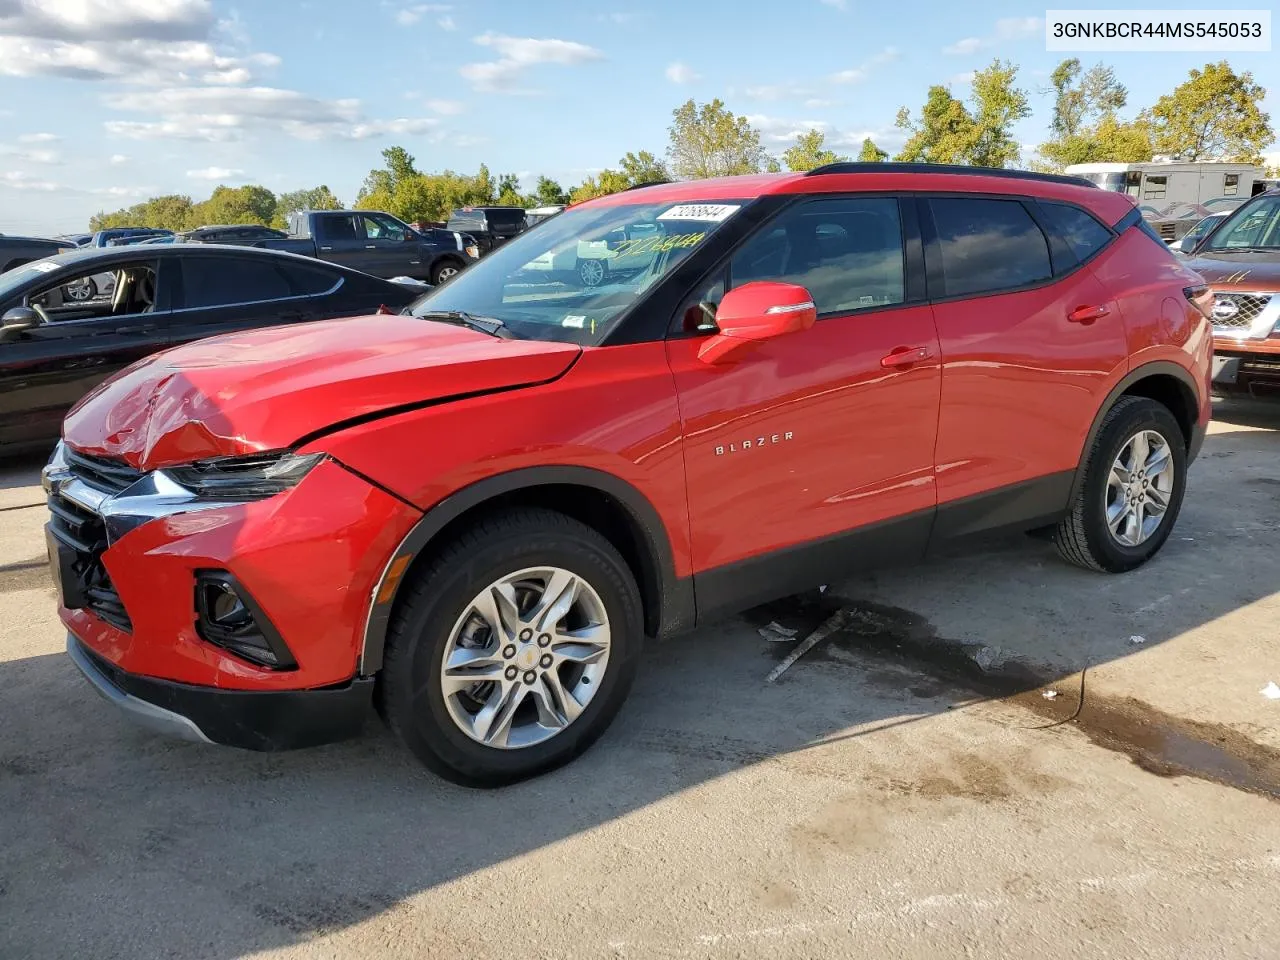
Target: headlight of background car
{"type": "Point", "coordinates": [254, 477]}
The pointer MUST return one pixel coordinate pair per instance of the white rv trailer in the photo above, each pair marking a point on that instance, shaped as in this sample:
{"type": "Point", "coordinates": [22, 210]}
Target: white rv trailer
{"type": "Point", "coordinates": [1164, 184]}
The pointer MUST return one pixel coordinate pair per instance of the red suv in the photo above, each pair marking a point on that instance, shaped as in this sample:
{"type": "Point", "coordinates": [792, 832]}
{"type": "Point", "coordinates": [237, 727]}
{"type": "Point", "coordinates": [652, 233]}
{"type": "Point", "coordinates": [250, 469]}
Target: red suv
{"type": "Point", "coordinates": [471, 514]}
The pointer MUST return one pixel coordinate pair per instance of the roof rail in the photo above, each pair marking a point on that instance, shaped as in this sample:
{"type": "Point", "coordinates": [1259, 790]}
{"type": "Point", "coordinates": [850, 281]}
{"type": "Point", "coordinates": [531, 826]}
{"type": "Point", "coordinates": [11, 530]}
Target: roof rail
{"type": "Point", "coordinates": [647, 183]}
{"type": "Point", "coordinates": [950, 169]}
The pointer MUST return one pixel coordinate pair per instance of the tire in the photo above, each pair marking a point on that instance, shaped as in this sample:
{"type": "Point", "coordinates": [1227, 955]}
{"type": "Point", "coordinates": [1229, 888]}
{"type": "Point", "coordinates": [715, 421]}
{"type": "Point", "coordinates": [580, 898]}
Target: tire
{"type": "Point", "coordinates": [592, 272]}
{"type": "Point", "coordinates": [444, 271]}
{"type": "Point", "coordinates": [1084, 536]}
{"type": "Point", "coordinates": [436, 610]}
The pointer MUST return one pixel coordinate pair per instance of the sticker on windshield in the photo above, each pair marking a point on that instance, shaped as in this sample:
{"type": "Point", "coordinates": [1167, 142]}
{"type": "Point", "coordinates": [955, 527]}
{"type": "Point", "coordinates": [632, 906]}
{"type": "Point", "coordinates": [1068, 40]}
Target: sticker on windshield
{"type": "Point", "coordinates": [43, 266]}
{"type": "Point", "coordinates": [574, 321]}
{"type": "Point", "coordinates": [706, 212]}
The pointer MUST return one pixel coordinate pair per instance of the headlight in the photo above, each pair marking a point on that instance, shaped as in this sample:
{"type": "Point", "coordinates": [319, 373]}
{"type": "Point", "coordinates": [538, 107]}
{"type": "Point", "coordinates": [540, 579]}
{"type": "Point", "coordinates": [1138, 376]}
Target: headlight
{"type": "Point", "coordinates": [253, 477]}
{"type": "Point", "coordinates": [473, 251]}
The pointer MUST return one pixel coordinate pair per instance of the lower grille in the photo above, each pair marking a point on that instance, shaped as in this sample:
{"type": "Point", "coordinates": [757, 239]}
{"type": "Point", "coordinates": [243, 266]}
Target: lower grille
{"type": "Point", "coordinates": [1233, 312]}
{"type": "Point", "coordinates": [86, 534]}
{"type": "Point", "coordinates": [1168, 231]}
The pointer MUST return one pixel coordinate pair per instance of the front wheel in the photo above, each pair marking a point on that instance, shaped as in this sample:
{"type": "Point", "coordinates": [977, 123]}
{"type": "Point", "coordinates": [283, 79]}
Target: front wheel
{"type": "Point", "coordinates": [81, 291]}
{"type": "Point", "coordinates": [513, 650]}
{"type": "Point", "coordinates": [1133, 486]}
{"type": "Point", "coordinates": [445, 270]}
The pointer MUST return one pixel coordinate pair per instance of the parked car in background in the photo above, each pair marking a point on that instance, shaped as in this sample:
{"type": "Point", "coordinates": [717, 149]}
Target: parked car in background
{"type": "Point", "coordinates": [376, 243]}
{"type": "Point", "coordinates": [1240, 260]}
{"type": "Point", "coordinates": [105, 238]}
{"type": "Point", "coordinates": [76, 239]}
{"type": "Point", "coordinates": [55, 348]}
{"type": "Point", "coordinates": [246, 234]}
{"type": "Point", "coordinates": [539, 214]}
{"type": "Point", "coordinates": [481, 508]}
{"type": "Point", "coordinates": [15, 251]}
{"type": "Point", "coordinates": [1192, 238]}
{"type": "Point", "coordinates": [491, 226]}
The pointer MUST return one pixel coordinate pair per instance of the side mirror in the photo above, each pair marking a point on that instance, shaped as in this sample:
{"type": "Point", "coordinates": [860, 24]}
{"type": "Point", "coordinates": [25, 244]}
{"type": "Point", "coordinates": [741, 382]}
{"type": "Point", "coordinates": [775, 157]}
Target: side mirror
{"type": "Point", "coordinates": [756, 313]}
{"type": "Point", "coordinates": [1188, 243]}
{"type": "Point", "coordinates": [17, 321]}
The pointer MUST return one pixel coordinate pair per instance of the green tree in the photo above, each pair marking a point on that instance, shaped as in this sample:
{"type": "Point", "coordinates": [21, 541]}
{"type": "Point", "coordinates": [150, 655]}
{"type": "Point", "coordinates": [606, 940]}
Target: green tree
{"type": "Point", "coordinates": [247, 204]}
{"type": "Point", "coordinates": [809, 153]}
{"type": "Point", "coordinates": [1215, 115]}
{"type": "Point", "coordinates": [870, 153]}
{"type": "Point", "coordinates": [1085, 126]}
{"type": "Point", "coordinates": [170, 212]}
{"type": "Point", "coordinates": [548, 193]}
{"type": "Point", "coordinates": [945, 132]}
{"type": "Point", "coordinates": [316, 198]}
{"type": "Point", "coordinates": [997, 106]}
{"type": "Point", "coordinates": [643, 167]}
{"type": "Point", "coordinates": [607, 182]}
{"type": "Point", "coordinates": [981, 133]}
{"type": "Point", "coordinates": [710, 141]}
{"type": "Point", "coordinates": [509, 194]}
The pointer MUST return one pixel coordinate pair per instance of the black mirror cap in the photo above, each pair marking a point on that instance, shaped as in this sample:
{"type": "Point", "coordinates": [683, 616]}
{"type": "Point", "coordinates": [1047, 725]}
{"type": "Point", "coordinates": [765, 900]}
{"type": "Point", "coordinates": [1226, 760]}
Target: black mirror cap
{"type": "Point", "coordinates": [18, 319]}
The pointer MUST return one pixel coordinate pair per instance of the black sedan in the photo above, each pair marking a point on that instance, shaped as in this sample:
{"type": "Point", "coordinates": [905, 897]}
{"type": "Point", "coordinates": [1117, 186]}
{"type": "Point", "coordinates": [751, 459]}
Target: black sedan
{"type": "Point", "coordinates": [54, 348]}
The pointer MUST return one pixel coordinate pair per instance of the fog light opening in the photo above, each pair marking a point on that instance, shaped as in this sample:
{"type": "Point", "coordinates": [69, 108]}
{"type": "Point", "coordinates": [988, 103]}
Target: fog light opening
{"type": "Point", "coordinates": [228, 617]}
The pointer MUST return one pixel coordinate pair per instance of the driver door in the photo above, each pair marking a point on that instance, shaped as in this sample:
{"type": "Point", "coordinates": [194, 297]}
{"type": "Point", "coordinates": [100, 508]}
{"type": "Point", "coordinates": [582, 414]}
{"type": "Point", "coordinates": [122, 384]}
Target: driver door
{"type": "Point", "coordinates": [45, 370]}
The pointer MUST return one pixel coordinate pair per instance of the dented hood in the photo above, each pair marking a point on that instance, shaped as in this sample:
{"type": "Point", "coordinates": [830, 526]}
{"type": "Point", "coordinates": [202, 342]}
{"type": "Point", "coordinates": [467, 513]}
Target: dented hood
{"type": "Point", "coordinates": [265, 390]}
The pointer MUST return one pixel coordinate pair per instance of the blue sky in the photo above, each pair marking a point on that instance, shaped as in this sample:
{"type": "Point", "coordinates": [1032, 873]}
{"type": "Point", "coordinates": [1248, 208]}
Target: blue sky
{"type": "Point", "coordinates": [105, 102]}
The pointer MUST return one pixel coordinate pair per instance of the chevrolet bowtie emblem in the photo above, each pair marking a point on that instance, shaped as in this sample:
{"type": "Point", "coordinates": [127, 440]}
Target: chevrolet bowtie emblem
{"type": "Point", "coordinates": [1236, 277]}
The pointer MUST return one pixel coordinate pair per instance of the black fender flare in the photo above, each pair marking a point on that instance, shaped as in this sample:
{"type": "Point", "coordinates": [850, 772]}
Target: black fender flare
{"type": "Point", "coordinates": [1155, 368]}
{"type": "Point", "coordinates": [674, 594]}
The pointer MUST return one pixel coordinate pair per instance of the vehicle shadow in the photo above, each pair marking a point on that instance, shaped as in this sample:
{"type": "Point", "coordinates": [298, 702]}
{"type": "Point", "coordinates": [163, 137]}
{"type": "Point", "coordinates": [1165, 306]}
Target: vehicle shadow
{"type": "Point", "coordinates": [1248, 413]}
{"type": "Point", "coordinates": [192, 851]}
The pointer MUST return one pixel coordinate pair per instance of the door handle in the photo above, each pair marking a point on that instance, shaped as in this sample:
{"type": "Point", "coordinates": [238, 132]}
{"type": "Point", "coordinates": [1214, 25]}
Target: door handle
{"type": "Point", "coordinates": [372, 246]}
{"type": "Point", "coordinates": [326, 249]}
{"type": "Point", "coordinates": [144, 328]}
{"type": "Point", "coordinates": [905, 356]}
{"type": "Point", "coordinates": [1087, 314]}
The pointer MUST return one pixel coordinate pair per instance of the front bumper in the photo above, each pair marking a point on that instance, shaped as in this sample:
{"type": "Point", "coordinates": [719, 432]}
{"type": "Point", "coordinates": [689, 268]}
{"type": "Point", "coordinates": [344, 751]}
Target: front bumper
{"type": "Point", "coordinates": [252, 720]}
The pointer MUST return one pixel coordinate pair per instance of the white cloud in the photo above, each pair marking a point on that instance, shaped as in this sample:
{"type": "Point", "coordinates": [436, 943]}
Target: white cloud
{"type": "Point", "coordinates": [38, 156]}
{"type": "Point", "coordinates": [448, 108]}
{"type": "Point", "coordinates": [783, 132]}
{"type": "Point", "coordinates": [779, 130]}
{"type": "Point", "coordinates": [817, 103]}
{"type": "Point", "coordinates": [517, 54]}
{"type": "Point", "coordinates": [22, 181]}
{"type": "Point", "coordinates": [124, 191]}
{"type": "Point", "coordinates": [962, 79]}
{"type": "Point", "coordinates": [408, 16]}
{"type": "Point", "coordinates": [811, 93]}
{"type": "Point", "coordinates": [447, 23]}
{"type": "Point", "coordinates": [39, 138]}
{"type": "Point", "coordinates": [1007, 29]}
{"type": "Point", "coordinates": [216, 173]}
{"type": "Point", "coordinates": [682, 73]}
{"type": "Point", "coordinates": [117, 159]}
{"type": "Point", "coordinates": [223, 114]}
{"type": "Point", "coordinates": [136, 41]}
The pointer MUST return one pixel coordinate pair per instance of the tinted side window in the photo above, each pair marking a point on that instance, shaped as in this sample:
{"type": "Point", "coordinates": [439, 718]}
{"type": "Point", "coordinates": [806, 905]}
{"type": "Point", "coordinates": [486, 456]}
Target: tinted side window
{"type": "Point", "coordinates": [847, 253]}
{"type": "Point", "coordinates": [212, 282]}
{"type": "Point", "coordinates": [988, 245]}
{"type": "Point", "coordinates": [308, 281]}
{"type": "Point", "coordinates": [338, 227]}
{"type": "Point", "coordinates": [1084, 235]}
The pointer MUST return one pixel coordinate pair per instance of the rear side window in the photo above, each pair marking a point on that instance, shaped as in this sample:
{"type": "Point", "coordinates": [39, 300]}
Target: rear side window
{"type": "Point", "coordinates": [339, 227]}
{"type": "Point", "coordinates": [1083, 234]}
{"type": "Point", "coordinates": [988, 245]}
{"type": "Point", "coordinates": [308, 281]}
{"type": "Point", "coordinates": [220, 281]}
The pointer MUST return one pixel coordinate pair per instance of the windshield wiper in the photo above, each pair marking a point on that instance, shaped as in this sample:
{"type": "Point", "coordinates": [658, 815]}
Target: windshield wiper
{"type": "Point", "coordinates": [1245, 250]}
{"type": "Point", "coordinates": [490, 325]}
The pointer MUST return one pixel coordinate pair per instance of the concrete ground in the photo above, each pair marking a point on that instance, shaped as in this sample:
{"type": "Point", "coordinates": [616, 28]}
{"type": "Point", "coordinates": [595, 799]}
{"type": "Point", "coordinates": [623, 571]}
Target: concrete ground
{"type": "Point", "coordinates": [906, 790]}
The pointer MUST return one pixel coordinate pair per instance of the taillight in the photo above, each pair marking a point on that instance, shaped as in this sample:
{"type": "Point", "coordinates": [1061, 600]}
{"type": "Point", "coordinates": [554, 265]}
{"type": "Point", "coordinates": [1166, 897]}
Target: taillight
{"type": "Point", "coordinates": [1200, 297]}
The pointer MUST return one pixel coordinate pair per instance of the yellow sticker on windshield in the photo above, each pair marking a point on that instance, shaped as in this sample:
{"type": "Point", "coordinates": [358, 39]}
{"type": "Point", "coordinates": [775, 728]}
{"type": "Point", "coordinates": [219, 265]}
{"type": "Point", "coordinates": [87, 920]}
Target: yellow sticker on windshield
{"type": "Point", "coordinates": [679, 241]}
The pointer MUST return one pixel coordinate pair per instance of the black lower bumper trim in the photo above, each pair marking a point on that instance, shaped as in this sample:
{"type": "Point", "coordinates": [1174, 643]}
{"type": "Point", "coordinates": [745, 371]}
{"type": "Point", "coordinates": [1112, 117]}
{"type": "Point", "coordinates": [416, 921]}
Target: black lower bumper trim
{"type": "Point", "coordinates": [249, 719]}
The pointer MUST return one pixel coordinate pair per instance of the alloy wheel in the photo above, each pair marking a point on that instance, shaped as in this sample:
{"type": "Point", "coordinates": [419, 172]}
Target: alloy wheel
{"type": "Point", "coordinates": [1139, 488]}
{"type": "Point", "coordinates": [525, 658]}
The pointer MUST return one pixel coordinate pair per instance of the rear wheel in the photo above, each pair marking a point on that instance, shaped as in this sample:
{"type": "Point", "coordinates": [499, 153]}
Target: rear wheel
{"type": "Point", "coordinates": [1133, 486]}
{"type": "Point", "coordinates": [81, 291]}
{"type": "Point", "coordinates": [514, 650]}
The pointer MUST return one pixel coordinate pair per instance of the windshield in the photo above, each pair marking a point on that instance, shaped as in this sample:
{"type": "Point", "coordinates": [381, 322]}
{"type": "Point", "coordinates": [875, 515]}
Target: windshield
{"type": "Point", "coordinates": [1252, 227]}
{"type": "Point", "coordinates": [11, 280]}
{"type": "Point", "coordinates": [573, 278]}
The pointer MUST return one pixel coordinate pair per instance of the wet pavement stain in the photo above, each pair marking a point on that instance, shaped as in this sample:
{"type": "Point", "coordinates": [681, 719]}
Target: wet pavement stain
{"type": "Point", "coordinates": [1157, 742]}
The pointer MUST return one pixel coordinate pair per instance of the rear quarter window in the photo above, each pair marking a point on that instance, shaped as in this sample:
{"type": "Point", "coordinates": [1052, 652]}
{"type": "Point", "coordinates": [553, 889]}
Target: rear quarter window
{"type": "Point", "coordinates": [1082, 233]}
